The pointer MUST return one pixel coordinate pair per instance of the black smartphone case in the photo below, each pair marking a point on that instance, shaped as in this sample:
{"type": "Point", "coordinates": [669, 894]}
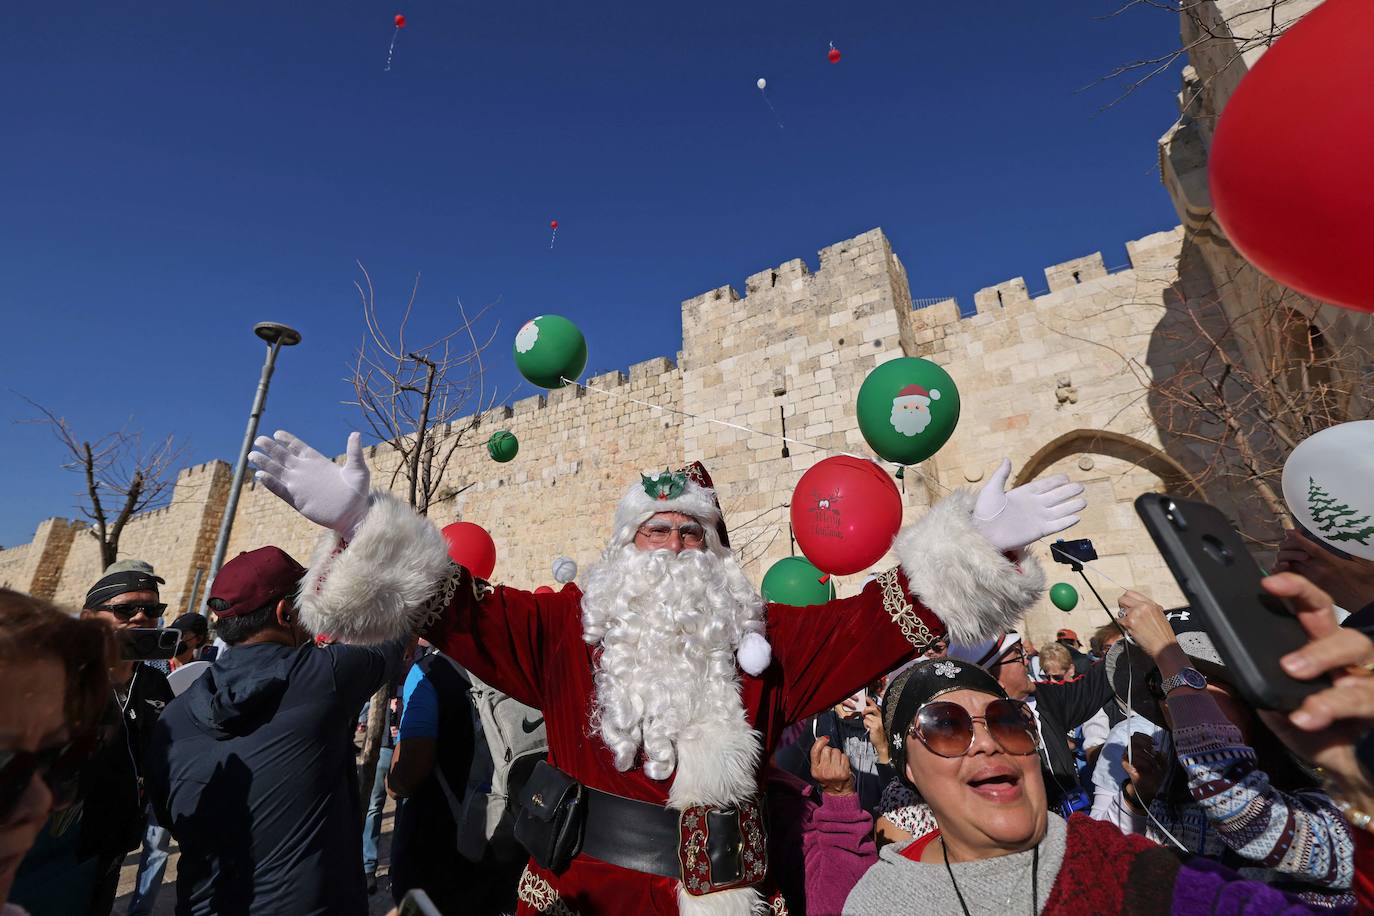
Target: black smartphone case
{"type": "Point", "coordinates": [1250, 628]}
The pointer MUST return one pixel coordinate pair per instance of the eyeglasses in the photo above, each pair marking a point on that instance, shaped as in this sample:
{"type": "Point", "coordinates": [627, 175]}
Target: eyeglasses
{"type": "Point", "coordinates": [125, 611]}
{"type": "Point", "coordinates": [59, 767]}
{"type": "Point", "coordinates": [1018, 655]}
{"type": "Point", "coordinates": [946, 728]}
{"type": "Point", "coordinates": [658, 534]}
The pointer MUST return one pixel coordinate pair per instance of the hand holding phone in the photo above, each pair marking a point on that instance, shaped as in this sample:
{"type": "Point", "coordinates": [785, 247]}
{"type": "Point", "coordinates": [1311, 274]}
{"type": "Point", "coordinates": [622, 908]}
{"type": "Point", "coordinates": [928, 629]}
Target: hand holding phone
{"type": "Point", "coordinates": [1250, 628]}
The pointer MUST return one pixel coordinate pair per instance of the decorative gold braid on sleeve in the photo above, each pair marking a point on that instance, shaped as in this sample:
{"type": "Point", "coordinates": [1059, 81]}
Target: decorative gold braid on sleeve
{"type": "Point", "coordinates": [902, 613]}
{"type": "Point", "coordinates": [778, 906]}
{"type": "Point", "coordinates": [424, 616]}
{"type": "Point", "coordinates": [541, 895]}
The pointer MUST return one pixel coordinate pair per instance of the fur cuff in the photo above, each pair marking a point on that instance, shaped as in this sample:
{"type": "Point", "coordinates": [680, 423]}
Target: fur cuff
{"type": "Point", "coordinates": [368, 591]}
{"type": "Point", "coordinates": [953, 570]}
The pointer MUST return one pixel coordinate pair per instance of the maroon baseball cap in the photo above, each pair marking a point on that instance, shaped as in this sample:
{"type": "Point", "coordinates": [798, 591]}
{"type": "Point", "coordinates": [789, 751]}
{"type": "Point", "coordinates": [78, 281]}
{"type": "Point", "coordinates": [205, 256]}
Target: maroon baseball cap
{"type": "Point", "coordinates": [253, 580]}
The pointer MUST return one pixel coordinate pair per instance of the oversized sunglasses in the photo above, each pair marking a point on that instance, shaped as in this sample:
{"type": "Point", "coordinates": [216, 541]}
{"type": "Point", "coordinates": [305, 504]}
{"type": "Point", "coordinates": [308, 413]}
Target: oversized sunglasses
{"type": "Point", "coordinates": [946, 728]}
{"type": "Point", "coordinates": [125, 611]}
{"type": "Point", "coordinates": [59, 767]}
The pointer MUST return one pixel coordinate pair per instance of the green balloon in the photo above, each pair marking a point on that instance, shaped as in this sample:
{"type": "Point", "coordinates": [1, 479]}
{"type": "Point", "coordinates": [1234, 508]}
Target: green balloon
{"type": "Point", "coordinates": [908, 409]}
{"type": "Point", "coordinates": [1064, 596]}
{"type": "Point", "coordinates": [503, 446]}
{"type": "Point", "coordinates": [794, 581]}
{"type": "Point", "coordinates": [549, 349]}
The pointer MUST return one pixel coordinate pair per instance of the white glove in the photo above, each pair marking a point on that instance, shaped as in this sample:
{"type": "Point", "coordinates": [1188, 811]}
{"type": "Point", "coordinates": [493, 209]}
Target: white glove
{"type": "Point", "coordinates": [1013, 521]}
{"type": "Point", "coordinates": [332, 496]}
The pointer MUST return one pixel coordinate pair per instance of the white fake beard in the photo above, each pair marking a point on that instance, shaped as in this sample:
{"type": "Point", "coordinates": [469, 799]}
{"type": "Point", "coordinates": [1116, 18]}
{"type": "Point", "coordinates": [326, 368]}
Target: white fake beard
{"type": "Point", "coordinates": [668, 626]}
{"type": "Point", "coordinates": [910, 422]}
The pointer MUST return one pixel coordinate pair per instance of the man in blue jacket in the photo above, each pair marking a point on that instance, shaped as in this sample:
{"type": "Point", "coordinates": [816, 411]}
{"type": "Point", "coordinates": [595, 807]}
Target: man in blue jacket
{"type": "Point", "coordinates": [252, 768]}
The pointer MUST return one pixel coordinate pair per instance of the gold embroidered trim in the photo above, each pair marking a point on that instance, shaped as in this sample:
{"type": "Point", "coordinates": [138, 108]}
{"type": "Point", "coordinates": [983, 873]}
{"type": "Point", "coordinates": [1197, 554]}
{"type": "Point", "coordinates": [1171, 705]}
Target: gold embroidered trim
{"type": "Point", "coordinates": [778, 906]}
{"type": "Point", "coordinates": [424, 616]}
{"type": "Point", "coordinates": [902, 613]}
{"type": "Point", "coordinates": [541, 895]}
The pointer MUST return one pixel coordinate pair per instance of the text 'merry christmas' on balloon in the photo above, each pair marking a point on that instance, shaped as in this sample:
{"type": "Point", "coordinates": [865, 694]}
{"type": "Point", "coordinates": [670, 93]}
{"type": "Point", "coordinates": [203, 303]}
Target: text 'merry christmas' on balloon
{"type": "Point", "coordinates": [1326, 483]}
{"type": "Point", "coordinates": [1289, 167]}
{"type": "Point", "coordinates": [503, 446]}
{"type": "Point", "coordinates": [796, 581]}
{"type": "Point", "coordinates": [845, 514]}
{"type": "Point", "coordinates": [471, 547]}
{"type": "Point", "coordinates": [907, 409]}
{"type": "Point", "coordinates": [1064, 596]}
{"type": "Point", "coordinates": [549, 349]}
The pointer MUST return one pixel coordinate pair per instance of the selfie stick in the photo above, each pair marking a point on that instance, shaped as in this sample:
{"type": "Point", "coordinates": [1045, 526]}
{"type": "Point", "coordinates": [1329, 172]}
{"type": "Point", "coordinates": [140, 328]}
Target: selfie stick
{"type": "Point", "coordinates": [1077, 567]}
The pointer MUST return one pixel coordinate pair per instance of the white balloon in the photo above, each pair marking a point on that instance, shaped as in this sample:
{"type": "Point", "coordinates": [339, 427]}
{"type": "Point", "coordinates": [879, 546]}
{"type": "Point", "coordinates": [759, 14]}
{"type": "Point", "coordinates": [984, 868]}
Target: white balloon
{"type": "Point", "coordinates": [1326, 486]}
{"type": "Point", "coordinates": [564, 570]}
{"type": "Point", "coordinates": [763, 83]}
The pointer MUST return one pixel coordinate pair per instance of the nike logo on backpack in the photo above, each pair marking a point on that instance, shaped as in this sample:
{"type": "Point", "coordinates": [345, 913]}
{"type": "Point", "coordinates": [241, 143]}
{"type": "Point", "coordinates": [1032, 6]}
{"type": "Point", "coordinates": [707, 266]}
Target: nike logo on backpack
{"type": "Point", "coordinates": [529, 726]}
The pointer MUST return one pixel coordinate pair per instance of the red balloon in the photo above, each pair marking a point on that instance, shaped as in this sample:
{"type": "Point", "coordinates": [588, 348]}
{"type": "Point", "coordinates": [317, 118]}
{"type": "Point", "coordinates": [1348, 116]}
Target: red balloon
{"type": "Point", "coordinates": [400, 21]}
{"type": "Point", "coordinates": [1290, 165]}
{"type": "Point", "coordinates": [834, 55]}
{"type": "Point", "coordinates": [553, 224]}
{"type": "Point", "coordinates": [543, 590]}
{"type": "Point", "coordinates": [471, 547]}
{"type": "Point", "coordinates": [845, 514]}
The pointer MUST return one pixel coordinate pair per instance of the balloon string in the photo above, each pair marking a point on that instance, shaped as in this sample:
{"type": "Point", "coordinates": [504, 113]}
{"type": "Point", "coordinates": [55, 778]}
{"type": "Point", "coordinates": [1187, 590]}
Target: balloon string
{"type": "Point", "coordinates": [553, 238]}
{"type": "Point", "coordinates": [736, 426]}
{"type": "Point", "coordinates": [391, 49]}
{"type": "Point", "coordinates": [764, 93]}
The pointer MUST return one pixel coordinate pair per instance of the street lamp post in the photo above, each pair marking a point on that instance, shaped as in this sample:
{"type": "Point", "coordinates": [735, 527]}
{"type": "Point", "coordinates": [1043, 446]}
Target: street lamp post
{"type": "Point", "coordinates": [277, 336]}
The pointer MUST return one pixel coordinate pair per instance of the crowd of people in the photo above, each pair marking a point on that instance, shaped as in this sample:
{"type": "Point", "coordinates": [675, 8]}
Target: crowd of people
{"type": "Point", "coordinates": [658, 739]}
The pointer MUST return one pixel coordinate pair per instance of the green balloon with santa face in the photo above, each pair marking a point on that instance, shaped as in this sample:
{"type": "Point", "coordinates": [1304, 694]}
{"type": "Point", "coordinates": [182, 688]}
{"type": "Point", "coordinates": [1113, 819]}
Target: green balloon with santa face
{"type": "Point", "coordinates": [550, 349]}
{"type": "Point", "coordinates": [908, 408]}
{"type": "Point", "coordinates": [794, 581]}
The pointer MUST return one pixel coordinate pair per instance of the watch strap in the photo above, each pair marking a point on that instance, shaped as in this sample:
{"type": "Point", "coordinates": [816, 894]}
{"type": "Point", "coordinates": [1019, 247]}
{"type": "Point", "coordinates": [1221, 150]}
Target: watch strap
{"type": "Point", "coordinates": [1181, 679]}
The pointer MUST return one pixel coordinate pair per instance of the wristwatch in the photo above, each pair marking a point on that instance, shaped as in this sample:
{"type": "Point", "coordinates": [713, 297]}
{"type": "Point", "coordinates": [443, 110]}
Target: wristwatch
{"type": "Point", "coordinates": [1186, 677]}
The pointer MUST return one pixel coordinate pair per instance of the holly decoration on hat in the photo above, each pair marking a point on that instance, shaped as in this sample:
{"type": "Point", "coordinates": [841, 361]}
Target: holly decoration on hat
{"type": "Point", "coordinates": [907, 409]}
{"type": "Point", "coordinates": [665, 486]}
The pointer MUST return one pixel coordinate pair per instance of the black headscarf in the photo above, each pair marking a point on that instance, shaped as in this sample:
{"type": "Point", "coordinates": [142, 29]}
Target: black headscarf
{"type": "Point", "coordinates": [918, 685]}
{"type": "Point", "coordinates": [120, 583]}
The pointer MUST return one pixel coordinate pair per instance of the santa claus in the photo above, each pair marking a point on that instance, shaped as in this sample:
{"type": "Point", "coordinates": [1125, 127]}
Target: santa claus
{"type": "Point", "coordinates": [666, 680]}
{"type": "Point", "coordinates": [911, 409]}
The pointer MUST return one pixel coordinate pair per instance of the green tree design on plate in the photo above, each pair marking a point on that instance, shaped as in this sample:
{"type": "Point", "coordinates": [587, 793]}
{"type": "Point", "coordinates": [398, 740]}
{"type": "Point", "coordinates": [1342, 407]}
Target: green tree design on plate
{"type": "Point", "coordinates": [1336, 519]}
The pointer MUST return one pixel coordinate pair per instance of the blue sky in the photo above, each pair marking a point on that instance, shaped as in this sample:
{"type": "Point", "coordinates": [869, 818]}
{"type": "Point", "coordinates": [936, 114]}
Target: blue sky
{"type": "Point", "coordinates": [174, 173]}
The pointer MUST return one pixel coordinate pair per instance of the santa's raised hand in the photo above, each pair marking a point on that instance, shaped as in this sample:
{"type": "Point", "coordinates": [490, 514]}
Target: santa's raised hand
{"type": "Point", "coordinates": [331, 496]}
{"type": "Point", "coordinates": [1012, 521]}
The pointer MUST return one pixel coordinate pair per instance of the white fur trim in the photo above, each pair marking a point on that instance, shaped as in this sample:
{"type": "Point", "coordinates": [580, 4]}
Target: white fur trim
{"type": "Point", "coordinates": [636, 507]}
{"type": "Point", "coordinates": [973, 588]}
{"type": "Point", "coordinates": [718, 765]}
{"type": "Point", "coordinates": [740, 901]}
{"type": "Point", "coordinates": [367, 592]}
{"type": "Point", "coordinates": [754, 654]}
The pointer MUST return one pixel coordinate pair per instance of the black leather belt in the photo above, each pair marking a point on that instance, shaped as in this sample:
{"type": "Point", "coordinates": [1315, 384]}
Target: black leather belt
{"type": "Point", "coordinates": [706, 848]}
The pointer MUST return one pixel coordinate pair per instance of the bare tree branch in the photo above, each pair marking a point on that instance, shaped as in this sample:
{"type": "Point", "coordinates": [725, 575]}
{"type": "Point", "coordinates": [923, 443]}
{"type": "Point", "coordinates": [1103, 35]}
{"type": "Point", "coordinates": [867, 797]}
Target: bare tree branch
{"type": "Point", "coordinates": [120, 475]}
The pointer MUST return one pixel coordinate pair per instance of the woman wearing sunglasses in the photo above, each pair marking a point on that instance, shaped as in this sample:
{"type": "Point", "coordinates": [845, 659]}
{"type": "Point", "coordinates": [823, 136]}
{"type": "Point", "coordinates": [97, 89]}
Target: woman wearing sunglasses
{"type": "Point", "coordinates": [53, 684]}
{"type": "Point", "coordinates": [970, 753]}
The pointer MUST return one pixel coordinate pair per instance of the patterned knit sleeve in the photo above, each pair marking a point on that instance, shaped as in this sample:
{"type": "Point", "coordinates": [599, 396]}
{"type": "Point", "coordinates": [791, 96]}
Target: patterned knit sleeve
{"type": "Point", "coordinates": [1298, 833]}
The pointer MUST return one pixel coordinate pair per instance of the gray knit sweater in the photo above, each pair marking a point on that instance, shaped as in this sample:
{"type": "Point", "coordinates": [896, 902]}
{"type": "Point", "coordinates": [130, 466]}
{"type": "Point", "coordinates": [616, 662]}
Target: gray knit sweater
{"type": "Point", "coordinates": [1000, 886]}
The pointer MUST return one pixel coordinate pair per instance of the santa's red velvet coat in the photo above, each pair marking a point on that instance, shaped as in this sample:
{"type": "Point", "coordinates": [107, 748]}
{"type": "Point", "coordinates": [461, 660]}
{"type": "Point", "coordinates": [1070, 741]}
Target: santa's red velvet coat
{"type": "Point", "coordinates": [532, 647]}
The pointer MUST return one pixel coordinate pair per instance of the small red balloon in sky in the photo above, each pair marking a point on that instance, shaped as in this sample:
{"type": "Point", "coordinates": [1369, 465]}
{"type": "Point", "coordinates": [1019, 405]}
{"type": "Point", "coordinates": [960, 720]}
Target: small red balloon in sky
{"type": "Point", "coordinates": [834, 54]}
{"type": "Point", "coordinates": [400, 21]}
{"type": "Point", "coordinates": [553, 224]}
